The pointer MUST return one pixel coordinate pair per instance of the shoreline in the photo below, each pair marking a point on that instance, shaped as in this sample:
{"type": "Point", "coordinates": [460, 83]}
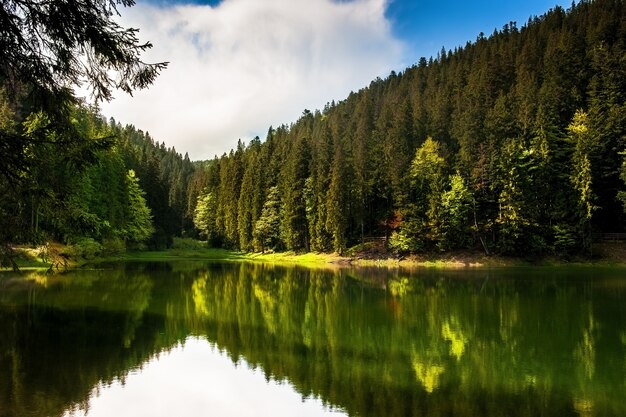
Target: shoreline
{"type": "Point", "coordinates": [611, 254]}
{"type": "Point", "coordinates": [456, 260]}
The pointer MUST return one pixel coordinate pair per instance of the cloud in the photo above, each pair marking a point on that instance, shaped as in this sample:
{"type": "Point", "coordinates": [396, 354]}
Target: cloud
{"type": "Point", "coordinates": [240, 66]}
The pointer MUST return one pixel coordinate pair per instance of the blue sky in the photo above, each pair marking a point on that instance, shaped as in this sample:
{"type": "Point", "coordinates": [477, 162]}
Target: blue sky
{"type": "Point", "coordinates": [239, 66]}
{"type": "Point", "coordinates": [427, 25]}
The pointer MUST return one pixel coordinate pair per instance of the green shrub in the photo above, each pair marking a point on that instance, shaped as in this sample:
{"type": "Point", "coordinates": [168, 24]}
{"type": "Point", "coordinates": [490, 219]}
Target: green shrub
{"type": "Point", "coordinates": [188, 243]}
{"type": "Point", "coordinates": [113, 246]}
{"type": "Point", "coordinates": [85, 248]}
{"type": "Point", "coordinates": [565, 239]}
{"type": "Point", "coordinates": [403, 242]}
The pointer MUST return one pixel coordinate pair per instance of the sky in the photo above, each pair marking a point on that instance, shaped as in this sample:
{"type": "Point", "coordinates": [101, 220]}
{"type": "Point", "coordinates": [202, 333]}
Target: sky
{"type": "Point", "coordinates": [237, 67]}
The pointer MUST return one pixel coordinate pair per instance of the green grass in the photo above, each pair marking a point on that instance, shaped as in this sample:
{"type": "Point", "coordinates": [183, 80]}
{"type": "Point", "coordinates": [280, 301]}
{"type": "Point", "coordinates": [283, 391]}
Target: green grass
{"type": "Point", "coordinates": [323, 260]}
{"type": "Point", "coordinates": [309, 259]}
{"type": "Point", "coordinates": [217, 254]}
{"type": "Point", "coordinates": [291, 257]}
{"type": "Point", "coordinates": [27, 259]}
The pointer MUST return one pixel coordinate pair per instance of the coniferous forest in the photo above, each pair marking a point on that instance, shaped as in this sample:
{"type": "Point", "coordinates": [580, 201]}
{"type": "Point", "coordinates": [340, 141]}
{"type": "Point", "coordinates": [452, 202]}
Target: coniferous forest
{"type": "Point", "coordinates": [511, 144]}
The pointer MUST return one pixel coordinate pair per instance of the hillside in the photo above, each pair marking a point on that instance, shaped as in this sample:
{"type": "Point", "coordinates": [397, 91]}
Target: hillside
{"type": "Point", "coordinates": [511, 144]}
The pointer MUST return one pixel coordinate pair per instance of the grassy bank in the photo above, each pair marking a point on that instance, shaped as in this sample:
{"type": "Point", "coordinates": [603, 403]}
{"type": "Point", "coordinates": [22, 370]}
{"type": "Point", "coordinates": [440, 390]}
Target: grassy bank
{"type": "Point", "coordinates": [210, 254]}
{"type": "Point", "coordinates": [29, 258]}
{"type": "Point", "coordinates": [26, 258]}
{"type": "Point", "coordinates": [612, 255]}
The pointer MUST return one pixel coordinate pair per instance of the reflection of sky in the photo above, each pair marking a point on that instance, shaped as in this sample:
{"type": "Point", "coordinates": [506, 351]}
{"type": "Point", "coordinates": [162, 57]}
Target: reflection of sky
{"type": "Point", "coordinates": [197, 380]}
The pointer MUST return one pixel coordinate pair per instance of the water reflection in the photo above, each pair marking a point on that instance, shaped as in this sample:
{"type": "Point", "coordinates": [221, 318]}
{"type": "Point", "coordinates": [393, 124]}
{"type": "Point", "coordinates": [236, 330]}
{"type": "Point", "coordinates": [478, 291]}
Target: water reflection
{"type": "Point", "coordinates": [507, 342]}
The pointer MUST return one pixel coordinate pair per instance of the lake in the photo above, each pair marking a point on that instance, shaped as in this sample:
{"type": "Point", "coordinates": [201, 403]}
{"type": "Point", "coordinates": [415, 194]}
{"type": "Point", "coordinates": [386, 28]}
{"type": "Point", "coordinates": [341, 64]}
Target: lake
{"type": "Point", "coordinates": [240, 339]}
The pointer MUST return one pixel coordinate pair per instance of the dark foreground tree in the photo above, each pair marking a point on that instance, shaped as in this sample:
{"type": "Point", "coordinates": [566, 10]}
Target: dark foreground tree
{"type": "Point", "coordinates": [54, 45]}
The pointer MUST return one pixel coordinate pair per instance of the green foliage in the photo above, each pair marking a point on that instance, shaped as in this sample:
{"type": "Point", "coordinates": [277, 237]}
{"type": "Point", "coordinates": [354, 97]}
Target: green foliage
{"type": "Point", "coordinates": [85, 248]}
{"type": "Point", "coordinates": [267, 227]}
{"type": "Point", "coordinates": [204, 216]}
{"type": "Point", "coordinates": [456, 209]}
{"type": "Point", "coordinates": [86, 190]}
{"type": "Point", "coordinates": [294, 226]}
{"type": "Point", "coordinates": [138, 227]}
{"type": "Point", "coordinates": [113, 246]}
{"type": "Point", "coordinates": [63, 171]}
{"type": "Point", "coordinates": [428, 164]}
{"type": "Point", "coordinates": [621, 195]}
{"type": "Point", "coordinates": [187, 243]}
{"type": "Point", "coordinates": [250, 200]}
{"type": "Point", "coordinates": [581, 176]}
{"type": "Point", "coordinates": [565, 238]}
{"type": "Point", "coordinates": [407, 239]}
{"type": "Point", "coordinates": [512, 219]}
{"type": "Point", "coordinates": [422, 216]}
{"type": "Point", "coordinates": [581, 165]}
{"type": "Point", "coordinates": [336, 203]}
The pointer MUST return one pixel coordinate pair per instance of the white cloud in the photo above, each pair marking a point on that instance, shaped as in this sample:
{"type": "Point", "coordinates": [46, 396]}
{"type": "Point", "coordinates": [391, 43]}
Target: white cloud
{"type": "Point", "coordinates": [243, 65]}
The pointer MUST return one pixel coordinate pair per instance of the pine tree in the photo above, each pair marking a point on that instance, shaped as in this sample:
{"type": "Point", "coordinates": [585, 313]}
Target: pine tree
{"type": "Point", "coordinates": [421, 216]}
{"type": "Point", "coordinates": [336, 202]}
{"type": "Point", "coordinates": [246, 216]}
{"type": "Point", "coordinates": [581, 176]}
{"type": "Point", "coordinates": [204, 216]}
{"type": "Point", "coordinates": [295, 225]}
{"type": "Point", "coordinates": [138, 227]}
{"type": "Point", "coordinates": [267, 227]}
{"type": "Point", "coordinates": [456, 207]}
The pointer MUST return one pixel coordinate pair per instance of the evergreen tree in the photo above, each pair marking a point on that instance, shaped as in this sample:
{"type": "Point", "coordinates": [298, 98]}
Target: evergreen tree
{"type": "Point", "coordinates": [422, 216]}
{"type": "Point", "coordinates": [512, 219]}
{"type": "Point", "coordinates": [456, 210]}
{"type": "Point", "coordinates": [138, 226]}
{"type": "Point", "coordinates": [581, 176]}
{"type": "Point", "coordinates": [336, 203]}
{"type": "Point", "coordinates": [204, 216]}
{"type": "Point", "coordinates": [267, 227]}
{"type": "Point", "coordinates": [251, 195]}
{"type": "Point", "coordinates": [294, 224]}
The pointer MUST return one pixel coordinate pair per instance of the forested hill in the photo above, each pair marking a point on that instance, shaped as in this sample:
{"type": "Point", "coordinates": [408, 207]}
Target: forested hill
{"type": "Point", "coordinates": [511, 144]}
{"type": "Point", "coordinates": [113, 188]}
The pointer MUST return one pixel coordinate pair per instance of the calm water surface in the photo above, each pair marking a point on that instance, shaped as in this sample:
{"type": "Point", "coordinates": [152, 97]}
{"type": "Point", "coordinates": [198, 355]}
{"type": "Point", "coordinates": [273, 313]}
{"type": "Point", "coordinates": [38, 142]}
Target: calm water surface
{"type": "Point", "coordinates": [190, 338]}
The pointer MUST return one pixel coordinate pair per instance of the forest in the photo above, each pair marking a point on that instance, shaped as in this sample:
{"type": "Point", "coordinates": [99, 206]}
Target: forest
{"type": "Point", "coordinates": [512, 144]}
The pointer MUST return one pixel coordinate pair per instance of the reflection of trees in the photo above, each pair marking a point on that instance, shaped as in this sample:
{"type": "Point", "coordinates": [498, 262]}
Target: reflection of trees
{"type": "Point", "coordinates": [371, 344]}
{"type": "Point", "coordinates": [496, 346]}
{"type": "Point", "coordinates": [427, 370]}
{"type": "Point", "coordinates": [60, 342]}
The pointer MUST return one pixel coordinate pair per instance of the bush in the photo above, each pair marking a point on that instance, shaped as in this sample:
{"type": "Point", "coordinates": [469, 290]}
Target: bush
{"type": "Point", "coordinates": [85, 248]}
{"type": "Point", "coordinates": [402, 242]}
{"type": "Point", "coordinates": [188, 243]}
{"type": "Point", "coordinates": [113, 246]}
{"type": "Point", "coordinates": [565, 239]}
